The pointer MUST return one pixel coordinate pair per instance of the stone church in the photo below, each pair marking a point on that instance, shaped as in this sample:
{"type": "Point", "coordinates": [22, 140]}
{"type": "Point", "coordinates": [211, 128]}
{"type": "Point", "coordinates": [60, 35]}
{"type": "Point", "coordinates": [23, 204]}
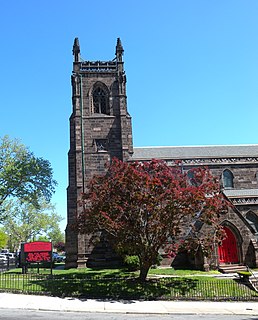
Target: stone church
{"type": "Point", "coordinates": [100, 128]}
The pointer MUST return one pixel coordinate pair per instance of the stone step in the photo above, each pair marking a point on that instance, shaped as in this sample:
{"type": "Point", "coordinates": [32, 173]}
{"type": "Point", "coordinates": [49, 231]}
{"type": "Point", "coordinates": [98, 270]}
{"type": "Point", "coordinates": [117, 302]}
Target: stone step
{"type": "Point", "coordinates": [231, 268]}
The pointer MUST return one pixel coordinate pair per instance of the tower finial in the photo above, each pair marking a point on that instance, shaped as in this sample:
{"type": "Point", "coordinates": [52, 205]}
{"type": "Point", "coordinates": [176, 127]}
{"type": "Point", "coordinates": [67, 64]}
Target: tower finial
{"type": "Point", "coordinates": [119, 50]}
{"type": "Point", "coordinates": [76, 50]}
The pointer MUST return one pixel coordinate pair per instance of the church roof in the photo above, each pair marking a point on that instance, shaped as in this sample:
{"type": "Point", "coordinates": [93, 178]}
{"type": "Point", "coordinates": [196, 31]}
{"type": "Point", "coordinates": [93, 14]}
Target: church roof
{"type": "Point", "coordinates": [194, 152]}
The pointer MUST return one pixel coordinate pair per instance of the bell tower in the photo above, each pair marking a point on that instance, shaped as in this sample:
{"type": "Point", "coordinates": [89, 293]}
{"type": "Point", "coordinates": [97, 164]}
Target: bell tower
{"type": "Point", "coordinates": [100, 129]}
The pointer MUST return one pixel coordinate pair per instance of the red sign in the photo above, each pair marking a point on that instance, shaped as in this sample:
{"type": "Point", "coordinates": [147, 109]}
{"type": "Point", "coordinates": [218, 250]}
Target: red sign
{"type": "Point", "coordinates": [38, 251]}
{"type": "Point", "coordinates": [38, 256]}
{"type": "Point", "coordinates": [37, 246]}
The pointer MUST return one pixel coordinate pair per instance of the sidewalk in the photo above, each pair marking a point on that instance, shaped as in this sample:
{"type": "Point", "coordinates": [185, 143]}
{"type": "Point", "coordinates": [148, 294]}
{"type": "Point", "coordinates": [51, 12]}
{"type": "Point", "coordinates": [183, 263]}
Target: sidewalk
{"type": "Point", "coordinates": [20, 301]}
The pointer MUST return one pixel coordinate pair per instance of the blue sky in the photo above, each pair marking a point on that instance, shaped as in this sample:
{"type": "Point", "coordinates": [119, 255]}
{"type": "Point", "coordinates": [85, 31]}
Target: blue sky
{"type": "Point", "coordinates": [191, 65]}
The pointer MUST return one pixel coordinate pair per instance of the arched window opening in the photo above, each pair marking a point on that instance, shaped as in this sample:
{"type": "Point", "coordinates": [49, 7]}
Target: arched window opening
{"type": "Point", "coordinates": [228, 179]}
{"type": "Point", "coordinates": [100, 101]}
{"type": "Point", "coordinates": [191, 178]}
{"type": "Point", "coordinates": [253, 219]}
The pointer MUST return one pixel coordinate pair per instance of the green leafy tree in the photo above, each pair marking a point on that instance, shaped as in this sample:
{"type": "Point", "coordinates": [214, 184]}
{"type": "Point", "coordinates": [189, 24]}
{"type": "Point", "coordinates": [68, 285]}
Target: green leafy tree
{"type": "Point", "coordinates": [42, 238]}
{"type": "Point", "coordinates": [22, 175]}
{"type": "Point", "coordinates": [60, 246]}
{"type": "Point", "coordinates": [56, 235]}
{"type": "Point", "coordinates": [3, 239]}
{"type": "Point", "coordinates": [25, 222]}
{"type": "Point", "coordinates": [144, 207]}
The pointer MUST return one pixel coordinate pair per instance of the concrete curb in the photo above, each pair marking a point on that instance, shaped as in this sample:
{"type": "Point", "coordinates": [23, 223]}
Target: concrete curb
{"type": "Point", "coordinates": [30, 302]}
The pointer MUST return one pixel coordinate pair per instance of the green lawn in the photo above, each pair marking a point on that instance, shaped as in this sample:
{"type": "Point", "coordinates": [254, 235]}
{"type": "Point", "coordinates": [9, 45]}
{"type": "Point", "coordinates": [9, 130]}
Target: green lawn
{"type": "Point", "coordinates": [87, 272]}
{"type": "Point", "coordinates": [121, 284]}
{"type": "Point", "coordinates": [181, 273]}
{"type": "Point", "coordinates": [122, 272]}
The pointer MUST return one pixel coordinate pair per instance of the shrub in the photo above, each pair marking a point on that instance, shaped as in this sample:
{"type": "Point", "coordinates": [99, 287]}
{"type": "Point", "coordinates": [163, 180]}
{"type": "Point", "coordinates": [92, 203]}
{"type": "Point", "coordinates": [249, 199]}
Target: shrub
{"type": "Point", "coordinates": [132, 263]}
{"type": "Point", "coordinates": [158, 261]}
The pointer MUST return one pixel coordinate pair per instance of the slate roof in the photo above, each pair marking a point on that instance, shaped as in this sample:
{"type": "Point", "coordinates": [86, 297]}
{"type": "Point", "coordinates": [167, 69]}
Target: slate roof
{"type": "Point", "coordinates": [195, 152]}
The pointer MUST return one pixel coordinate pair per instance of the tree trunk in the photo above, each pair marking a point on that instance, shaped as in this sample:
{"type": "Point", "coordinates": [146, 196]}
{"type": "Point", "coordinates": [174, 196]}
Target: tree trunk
{"type": "Point", "coordinates": [144, 269]}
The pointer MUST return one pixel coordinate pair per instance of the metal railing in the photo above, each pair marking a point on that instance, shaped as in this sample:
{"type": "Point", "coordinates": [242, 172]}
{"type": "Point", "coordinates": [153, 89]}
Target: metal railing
{"type": "Point", "coordinates": [7, 264]}
{"type": "Point", "coordinates": [253, 283]}
{"type": "Point", "coordinates": [126, 288]}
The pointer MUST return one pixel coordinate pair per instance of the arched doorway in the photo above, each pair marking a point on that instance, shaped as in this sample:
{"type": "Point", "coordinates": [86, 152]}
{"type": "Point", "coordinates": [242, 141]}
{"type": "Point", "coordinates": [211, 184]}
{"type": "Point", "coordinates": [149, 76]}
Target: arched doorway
{"type": "Point", "coordinates": [228, 252]}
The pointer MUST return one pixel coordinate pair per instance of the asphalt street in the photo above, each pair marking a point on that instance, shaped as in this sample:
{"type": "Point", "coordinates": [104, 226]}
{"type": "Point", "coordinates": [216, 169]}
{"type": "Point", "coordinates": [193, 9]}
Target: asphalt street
{"type": "Point", "coordinates": [11, 314]}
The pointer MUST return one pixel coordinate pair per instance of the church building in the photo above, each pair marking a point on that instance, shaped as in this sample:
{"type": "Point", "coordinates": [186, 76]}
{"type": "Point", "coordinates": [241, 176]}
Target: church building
{"type": "Point", "coordinates": [100, 129]}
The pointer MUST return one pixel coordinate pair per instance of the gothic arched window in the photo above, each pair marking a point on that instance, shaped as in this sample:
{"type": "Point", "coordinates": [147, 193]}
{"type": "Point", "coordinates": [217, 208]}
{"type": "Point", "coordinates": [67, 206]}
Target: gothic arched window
{"type": "Point", "coordinates": [100, 101]}
{"type": "Point", "coordinates": [191, 178]}
{"type": "Point", "coordinates": [253, 219]}
{"type": "Point", "coordinates": [228, 178]}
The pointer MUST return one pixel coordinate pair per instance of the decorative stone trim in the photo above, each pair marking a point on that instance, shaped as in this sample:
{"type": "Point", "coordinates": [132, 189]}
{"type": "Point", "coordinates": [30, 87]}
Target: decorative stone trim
{"type": "Point", "coordinates": [244, 201]}
{"type": "Point", "coordinates": [98, 66]}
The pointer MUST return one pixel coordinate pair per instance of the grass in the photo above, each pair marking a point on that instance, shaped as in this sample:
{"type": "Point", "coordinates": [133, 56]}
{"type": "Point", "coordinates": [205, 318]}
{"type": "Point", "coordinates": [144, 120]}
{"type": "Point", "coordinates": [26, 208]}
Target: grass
{"type": "Point", "coordinates": [85, 272]}
{"type": "Point", "coordinates": [244, 273]}
{"type": "Point", "coordinates": [123, 272]}
{"type": "Point", "coordinates": [181, 273]}
{"type": "Point", "coordinates": [121, 284]}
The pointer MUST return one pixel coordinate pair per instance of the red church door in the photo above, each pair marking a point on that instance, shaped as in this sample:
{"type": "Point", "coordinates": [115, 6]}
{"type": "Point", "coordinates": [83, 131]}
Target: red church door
{"type": "Point", "coordinates": [228, 249]}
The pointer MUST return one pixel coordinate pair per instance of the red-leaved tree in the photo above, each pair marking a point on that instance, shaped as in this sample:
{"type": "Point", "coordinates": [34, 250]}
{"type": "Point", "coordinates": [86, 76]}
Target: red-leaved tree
{"type": "Point", "coordinates": [144, 207]}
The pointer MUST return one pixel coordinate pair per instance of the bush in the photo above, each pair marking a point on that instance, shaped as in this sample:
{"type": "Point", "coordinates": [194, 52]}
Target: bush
{"type": "Point", "coordinates": [132, 263]}
{"type": "Point", "coordinates": [158, 262]}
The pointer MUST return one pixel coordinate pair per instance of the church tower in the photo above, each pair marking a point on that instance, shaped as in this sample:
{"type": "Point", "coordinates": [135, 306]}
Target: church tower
{"type": "Point", "coordinates": [100, 129]}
